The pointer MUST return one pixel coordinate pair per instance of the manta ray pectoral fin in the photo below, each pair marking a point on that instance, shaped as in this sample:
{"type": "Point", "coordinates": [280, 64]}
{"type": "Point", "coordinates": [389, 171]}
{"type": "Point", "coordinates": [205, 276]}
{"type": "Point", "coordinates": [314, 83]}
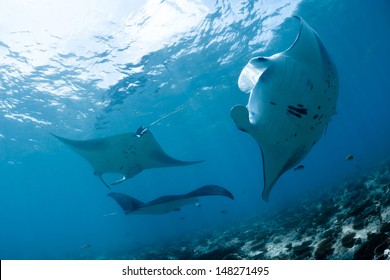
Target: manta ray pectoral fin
{"type": "Point", "coordinates": [240, 115]}
{"type": "Point", "coordinates": [209, 190]}
{"type": "Point", "coordinates": [272, 170]}
{"type": "Point", "coordinates": [165, 160]}
{"type": "Point", "coordinates": [275, 163]}
{"type": "Point", "coordinates": [127, 203]}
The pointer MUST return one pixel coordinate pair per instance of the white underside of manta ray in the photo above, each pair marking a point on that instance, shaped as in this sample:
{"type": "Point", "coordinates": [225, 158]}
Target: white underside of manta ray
{"type": "Point", "coordinates": [292, 98]}
{"type": "Point", "coordinates": [127, 154]}
{"type": "Point", "coordinates": [167, 203]}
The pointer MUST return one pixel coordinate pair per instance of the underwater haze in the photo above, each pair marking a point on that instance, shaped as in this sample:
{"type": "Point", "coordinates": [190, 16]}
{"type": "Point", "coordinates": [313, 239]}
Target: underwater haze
{"type": "Point", "coordinates": [92, 69]}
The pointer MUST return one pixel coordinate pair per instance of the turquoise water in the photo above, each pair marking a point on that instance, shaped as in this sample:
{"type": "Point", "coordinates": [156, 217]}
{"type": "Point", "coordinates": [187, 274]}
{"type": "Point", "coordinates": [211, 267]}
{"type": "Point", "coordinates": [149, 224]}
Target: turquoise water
{"type": "Point", "coordinates": [84, 71]}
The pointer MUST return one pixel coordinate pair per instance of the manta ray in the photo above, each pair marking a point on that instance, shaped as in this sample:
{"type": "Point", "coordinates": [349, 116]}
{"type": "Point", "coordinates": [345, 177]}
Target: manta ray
{"type": "Point", "coordinates": [292, 97]}
{"type": "Point", "coordinates": [127, 154]}
{"type": "Point", "coordinates": [168, 203]}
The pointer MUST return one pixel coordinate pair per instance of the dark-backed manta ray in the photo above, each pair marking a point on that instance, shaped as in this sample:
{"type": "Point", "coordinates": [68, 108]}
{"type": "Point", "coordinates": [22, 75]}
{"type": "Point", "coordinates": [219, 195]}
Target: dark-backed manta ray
{"type": "Point", "coordinates": [127, 154]}
{"type": "Point", "coordinates": [168, 203]}
{"type": "Point", "coordinates": [292, 98]}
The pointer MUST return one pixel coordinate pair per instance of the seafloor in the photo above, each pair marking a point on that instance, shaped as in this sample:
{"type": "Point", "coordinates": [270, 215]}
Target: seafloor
{"type": "Point", "coordinates": [350, 221]}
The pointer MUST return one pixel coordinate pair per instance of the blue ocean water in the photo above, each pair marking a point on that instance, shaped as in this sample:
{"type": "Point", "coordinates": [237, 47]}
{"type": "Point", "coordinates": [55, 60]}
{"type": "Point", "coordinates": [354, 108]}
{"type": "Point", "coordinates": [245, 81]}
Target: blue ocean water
{"type": "Point", "coordinates": [87, 70]}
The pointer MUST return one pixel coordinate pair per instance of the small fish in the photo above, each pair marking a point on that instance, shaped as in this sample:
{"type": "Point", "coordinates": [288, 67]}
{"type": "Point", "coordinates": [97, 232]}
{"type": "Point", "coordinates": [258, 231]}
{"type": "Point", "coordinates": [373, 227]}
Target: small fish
{"type": "Point", "coordinates": [349, 157]}
{"type": "Point", "coordinates": [182, 218]}
{"type": "Point", "coordinates": [224, 211]}
{"type": "Point", "coordinates": [299, 167]}
{"type": "Point", "coordinates": [86, 246]}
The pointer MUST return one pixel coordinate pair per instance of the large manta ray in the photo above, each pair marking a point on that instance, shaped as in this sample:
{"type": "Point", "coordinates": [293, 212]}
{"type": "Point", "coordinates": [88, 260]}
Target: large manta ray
{"type": "Point", "coordinates": [127, 154]}
{"type": "Point", "coordinates": [168, 203]}
{"type": "Point", "coordinates": [292, 97]}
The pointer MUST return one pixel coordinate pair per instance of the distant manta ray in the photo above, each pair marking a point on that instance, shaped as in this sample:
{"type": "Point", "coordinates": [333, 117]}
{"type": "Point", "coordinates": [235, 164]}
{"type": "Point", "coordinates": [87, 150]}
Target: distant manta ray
{"type": "Point", "coordinates": [292, 98]}
{"type": "Point", "coordinates": [127, 154]}
{"type": "Point", "coordinates": [168, 203]}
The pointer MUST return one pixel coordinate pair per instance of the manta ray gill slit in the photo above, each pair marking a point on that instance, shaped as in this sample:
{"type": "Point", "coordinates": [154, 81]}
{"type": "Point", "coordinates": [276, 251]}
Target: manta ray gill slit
{"type": "Point", "coordinates": [297, 112]}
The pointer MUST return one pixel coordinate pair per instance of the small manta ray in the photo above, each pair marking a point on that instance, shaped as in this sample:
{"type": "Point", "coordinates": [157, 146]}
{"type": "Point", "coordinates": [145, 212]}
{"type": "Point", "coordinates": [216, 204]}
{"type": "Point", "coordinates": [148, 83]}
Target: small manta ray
{"type": "Point", "coordinates": [127, 154]}
{"type": "Point", "coordinates": [292, 98]}
{"type": "Point", "coordinates": [168, 203]}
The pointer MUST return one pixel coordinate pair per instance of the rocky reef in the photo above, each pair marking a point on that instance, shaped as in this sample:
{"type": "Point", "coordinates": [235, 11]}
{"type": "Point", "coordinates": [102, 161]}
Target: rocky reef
{"type": "Point", "coordinates": [352, 222]}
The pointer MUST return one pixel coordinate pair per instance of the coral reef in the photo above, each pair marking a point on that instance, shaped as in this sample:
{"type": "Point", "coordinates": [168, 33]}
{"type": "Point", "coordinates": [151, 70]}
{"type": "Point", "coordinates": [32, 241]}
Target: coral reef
{"type": "Point", "coordinates": [352, 222]}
